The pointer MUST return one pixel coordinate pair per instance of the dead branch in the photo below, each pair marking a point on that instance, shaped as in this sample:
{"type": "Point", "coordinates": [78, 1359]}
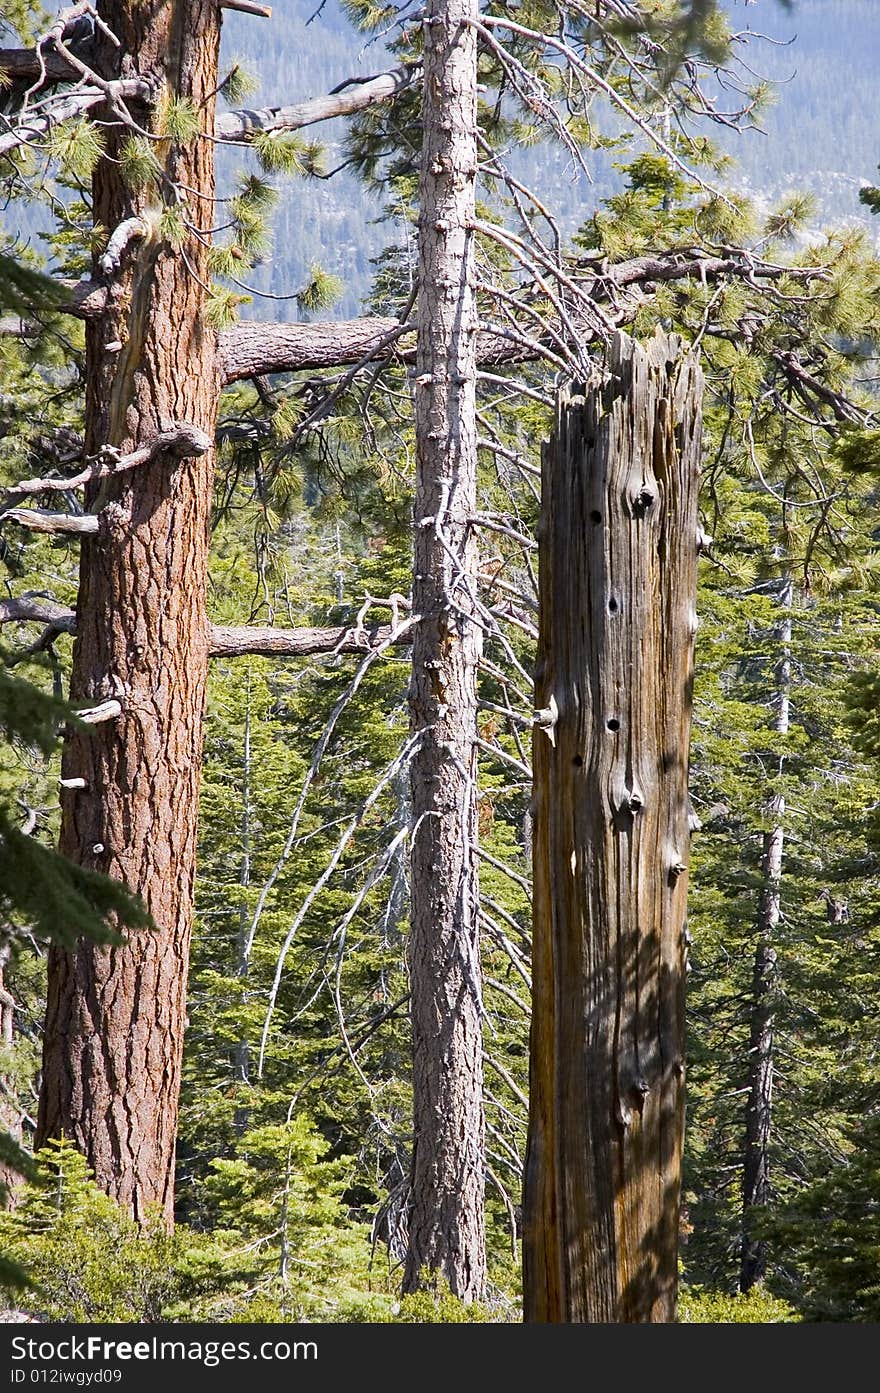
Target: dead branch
{"type": "Point", "coordinates": [389, 773]}
{"type": "Point", "coordinates": [96, 715]}
{"type": "Point", "coordinates": [33, 128]}
{"type": "Point", "coordinates": [346, 100]}
{"type": "Point", "coordinates": [38, 520]}
{"type": "Point", "coordinates": [32, 610]}
{"type": "Point", "coordinates": [181, 439]}
{"type": "Point", "coordinates": [247, 7]}
{"type": "Point", "coordinates": [317, 757]}
{"type": "Point", "coordinates": [230, 641]}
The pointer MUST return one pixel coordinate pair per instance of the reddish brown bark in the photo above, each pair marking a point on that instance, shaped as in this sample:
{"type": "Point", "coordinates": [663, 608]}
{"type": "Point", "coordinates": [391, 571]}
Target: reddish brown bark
{"type": "Point", "coordinates": [115, 1016]}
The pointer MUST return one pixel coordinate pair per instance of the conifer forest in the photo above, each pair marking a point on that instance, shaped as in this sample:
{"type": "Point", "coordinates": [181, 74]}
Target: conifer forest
{"type": "Point", "coordinates": [439, 676]}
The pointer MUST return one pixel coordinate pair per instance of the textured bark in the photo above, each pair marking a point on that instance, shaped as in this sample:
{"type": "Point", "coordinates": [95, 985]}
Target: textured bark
{"type": "Point", "coordinates": [181, 440]}
{"type": "Point", "coordinates": [226, 640]}
{"type": "Point", "coordinates": [618, 551]}
{"type": "Point", "coordinates": [10, 1112]}
{"type": "Point", "coordinates": [234, 641]}
{"type": "Point", "coordinates": [756, 1189]}
{"type": "Point", "coordinates": [446, 1219]}
{"type": "Point", "coordinates": [251, 350]}
{"type": "Point", "coordinates": [115, 1016]}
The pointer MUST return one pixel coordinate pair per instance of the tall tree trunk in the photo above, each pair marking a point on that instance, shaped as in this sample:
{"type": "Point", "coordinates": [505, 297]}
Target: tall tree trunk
{"type": "Point", "coordinates": [759, 1108]}
{"type": "Point", "coordinates": [243, 966]}
{"type": "Point", "coordinates": [618, 548]}
{"type": "Point", "coordinates": [115, 1016]}
{"type": "Point", "coordinates": [10, 1112]}
{"type": "Point", "coordinates": [446, 1220]}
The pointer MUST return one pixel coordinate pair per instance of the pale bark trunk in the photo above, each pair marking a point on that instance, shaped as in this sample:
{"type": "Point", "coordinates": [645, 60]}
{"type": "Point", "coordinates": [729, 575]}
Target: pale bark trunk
{"type": "Point", "coordinates": [759, 1108]}
{"type": "Point", "coordinates": [242, 1049]}
{"type": "Point", "coordinates": [115, 1016]}
{"type": "Point", "coordinates": [446, 1219]}
{"type": "Point", "coordinates": [10, 1113]}
{"type": "Point", "coordinates": [613, 680]}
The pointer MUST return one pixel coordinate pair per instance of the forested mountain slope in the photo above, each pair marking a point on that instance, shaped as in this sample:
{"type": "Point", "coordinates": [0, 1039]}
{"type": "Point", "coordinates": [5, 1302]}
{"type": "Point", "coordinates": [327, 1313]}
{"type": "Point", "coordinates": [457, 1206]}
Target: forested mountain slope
{"type": "Point", "coordinates": [818, 133]}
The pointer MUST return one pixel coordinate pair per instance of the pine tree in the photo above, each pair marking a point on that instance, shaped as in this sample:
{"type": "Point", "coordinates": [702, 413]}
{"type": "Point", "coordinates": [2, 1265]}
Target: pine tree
{"type": "Point", "coordinates": [666, 249]}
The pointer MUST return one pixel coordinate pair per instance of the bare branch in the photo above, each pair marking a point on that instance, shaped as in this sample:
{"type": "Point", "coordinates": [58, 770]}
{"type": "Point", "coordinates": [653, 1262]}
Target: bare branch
{"type": "Point", "coordinates": [388, 774]}
{"type": "Point", "coordinates": [96, 715]}
{"type": "Point", "coordinates": [544, 41]}
{"type": "Point", "coordinates": [38, 520]}
{"type": "Point", "coordinates": [31, 610]}
{"type": "Point", "coordinates": [317, 757]}
{"type": "Point", "coordinates": [61, 66]}
{"type": "Point", "coordinates": [229, 641]}
{"type": "Point", "coordinates": [506, 870]}
{"type": "Point", "coordinates": [508, 1079]}
{"type": "Point", "coordinates": [247, 7]}
{"type": "Point", "coordinates": [347, 99]}
{"type": "Point", "coordinates": [518, 961]}
{"type": "Point", "coordinates": [34, 127]}
{"type": "Point", "coordinates": [131, 230]}
{"type": "Point", "coordinates": [256, 349]}
{"type": "Point", "coordinates": [224, 641]}
{"type": "Point", "coordinates": [181, 439]}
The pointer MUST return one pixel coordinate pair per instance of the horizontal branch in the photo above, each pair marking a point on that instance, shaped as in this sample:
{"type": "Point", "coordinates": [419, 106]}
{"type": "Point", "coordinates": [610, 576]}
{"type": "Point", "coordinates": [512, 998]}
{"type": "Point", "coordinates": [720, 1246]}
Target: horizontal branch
{"type": "Point", "coordinates": [693, 263]}
{"type": "Point", "coordinates": [85, 299]}
{"type": "Point", "coordinates": [345, 100]}
{"type": "Point", "coordinates": [30, 610]}
{"type": "Point", "coordinates": [96, 715]}
{"type": "Point", "coordinates": [182, 440]}
{"type": "Point", "coordinates": [256, 349]}
{"type": "Point", "coordinates": [35, 126]}
{"type": "Point", "coordinates": [247, 7]}
{"type": "Point", "coordinates": [224, 640]}
{"type": "Point", "coordinates": [236, 641]}
{"type": "Point", "coordinates": [38, 520]}
{"type": "Point", "coordinates": [23, 63]}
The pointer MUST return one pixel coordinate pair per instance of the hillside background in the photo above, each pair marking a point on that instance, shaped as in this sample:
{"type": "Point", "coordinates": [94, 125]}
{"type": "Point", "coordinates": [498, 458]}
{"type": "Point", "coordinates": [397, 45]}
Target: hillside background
{"type": "Point", "coordinates": [820, 134]}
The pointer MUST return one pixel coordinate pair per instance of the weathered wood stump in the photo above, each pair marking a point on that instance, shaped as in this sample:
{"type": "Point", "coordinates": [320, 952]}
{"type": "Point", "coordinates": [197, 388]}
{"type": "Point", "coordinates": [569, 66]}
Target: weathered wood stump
{"type": "Point", "coordinates": [618, 562]}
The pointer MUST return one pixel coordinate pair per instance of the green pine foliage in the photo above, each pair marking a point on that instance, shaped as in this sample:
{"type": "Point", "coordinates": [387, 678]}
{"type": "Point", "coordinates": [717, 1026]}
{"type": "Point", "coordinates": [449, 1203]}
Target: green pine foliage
{"type": "Point", "coordinates": [334, 1040]}
{"type": "Point", "coordinates": [20, 19]}
{"type": "Point", "coordinates": [870, 197]}
{"type": "Point", "coordinates": [89, 1261]}
{"type": "Point", "coordinates": [699, 1307]}
{"type": "Point", "coordinates": [282, 1249]}
{"type": "Point", "coordinates": [296, 1111]}
{"type": "Point", "coordinates": [830, 1232]}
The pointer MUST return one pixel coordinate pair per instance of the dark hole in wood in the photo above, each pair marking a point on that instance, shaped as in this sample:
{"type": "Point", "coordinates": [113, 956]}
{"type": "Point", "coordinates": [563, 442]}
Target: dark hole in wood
{"type": "Point", "coordinates": [595, 516]}
{"type": "Point", "coordinates": [612, 606]}
{"type": "Point", "coordinates": [613, 723]}
{"type": "Point", "coordinates": [578, 760]}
